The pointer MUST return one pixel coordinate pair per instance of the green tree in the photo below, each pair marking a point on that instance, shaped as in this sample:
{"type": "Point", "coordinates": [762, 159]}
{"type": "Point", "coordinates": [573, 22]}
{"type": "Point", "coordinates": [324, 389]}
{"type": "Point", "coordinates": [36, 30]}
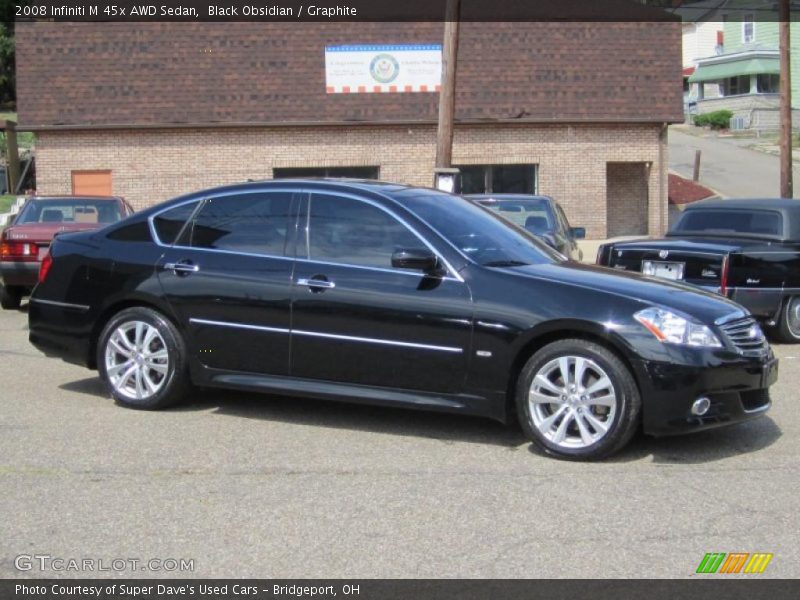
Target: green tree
{"type": "Point", "coordinates": [7, 64]}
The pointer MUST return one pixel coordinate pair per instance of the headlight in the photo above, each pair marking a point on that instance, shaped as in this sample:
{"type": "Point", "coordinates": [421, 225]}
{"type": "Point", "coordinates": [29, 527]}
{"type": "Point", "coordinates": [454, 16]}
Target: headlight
{"type": "Point", "coordinates": [671, 328]}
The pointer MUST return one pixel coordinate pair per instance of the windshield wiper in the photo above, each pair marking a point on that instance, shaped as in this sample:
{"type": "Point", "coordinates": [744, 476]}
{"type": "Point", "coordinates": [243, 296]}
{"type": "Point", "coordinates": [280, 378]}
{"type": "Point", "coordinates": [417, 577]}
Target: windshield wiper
{"type": "Point", "coordinates": [504, 263]}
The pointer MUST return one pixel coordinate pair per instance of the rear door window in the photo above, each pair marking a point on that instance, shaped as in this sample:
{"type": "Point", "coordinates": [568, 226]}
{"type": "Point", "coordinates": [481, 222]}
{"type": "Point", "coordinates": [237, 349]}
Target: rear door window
{"type": "Point", "coordinates": [169, 223]}
{"type": "Point", "coordinates": [255, 223]}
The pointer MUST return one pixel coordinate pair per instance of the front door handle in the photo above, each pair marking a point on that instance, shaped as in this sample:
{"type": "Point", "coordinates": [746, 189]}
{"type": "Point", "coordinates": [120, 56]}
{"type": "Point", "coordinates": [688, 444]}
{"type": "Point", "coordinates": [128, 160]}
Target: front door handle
{"type": "Point", "coordinates": [318, 283]}
{"type": "Point", "coordinates": [181, 268]}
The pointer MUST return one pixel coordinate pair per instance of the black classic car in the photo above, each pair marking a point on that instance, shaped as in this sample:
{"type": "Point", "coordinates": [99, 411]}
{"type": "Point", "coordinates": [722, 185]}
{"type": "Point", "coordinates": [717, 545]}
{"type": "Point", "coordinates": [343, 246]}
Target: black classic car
{"type": "Point", "coordinates": [541, 215]}
{"type": "Point", "coordinates": [386, 294]}
{"type": "Point", "coordinates": [748, 250]}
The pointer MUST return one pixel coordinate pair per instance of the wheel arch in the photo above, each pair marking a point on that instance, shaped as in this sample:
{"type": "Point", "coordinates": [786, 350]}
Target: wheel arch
{"type": "Point", "coordinates": [553, 331]}
{"type": "Point", "coordinates": [120, 304]}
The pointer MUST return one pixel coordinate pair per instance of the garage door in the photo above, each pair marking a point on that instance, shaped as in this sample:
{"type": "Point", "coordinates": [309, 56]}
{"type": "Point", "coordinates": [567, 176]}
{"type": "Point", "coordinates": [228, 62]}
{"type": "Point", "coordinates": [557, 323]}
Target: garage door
{"type": "Point", "coordinates": [91, 183]}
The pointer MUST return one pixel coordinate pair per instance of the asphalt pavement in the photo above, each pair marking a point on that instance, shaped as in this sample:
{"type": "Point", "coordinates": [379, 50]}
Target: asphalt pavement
{"type": "Point", "coordinates": [727, 165]}
{"type": "Point", "coordinates": [260, 486]}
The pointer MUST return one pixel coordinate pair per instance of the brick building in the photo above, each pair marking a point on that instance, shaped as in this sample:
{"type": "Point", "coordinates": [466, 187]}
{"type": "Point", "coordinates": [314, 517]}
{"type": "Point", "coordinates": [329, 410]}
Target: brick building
{"type": "Point", "coordinates": [153, 110]}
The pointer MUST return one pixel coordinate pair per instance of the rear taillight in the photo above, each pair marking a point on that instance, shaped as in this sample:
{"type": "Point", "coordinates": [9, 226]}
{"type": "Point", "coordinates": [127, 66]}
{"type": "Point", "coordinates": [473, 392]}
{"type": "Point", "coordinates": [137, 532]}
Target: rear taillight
{"type": "Point", "coordinates": [18, 250]}
{"type": "Point", "coordinates": [44, 268]}
{"type": "Point", "coordinates": [723, 278]}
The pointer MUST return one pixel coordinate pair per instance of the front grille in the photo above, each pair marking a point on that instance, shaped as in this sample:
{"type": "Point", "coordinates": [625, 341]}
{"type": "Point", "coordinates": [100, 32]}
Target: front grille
{"type": "Point", "coordinates": [746, 335]}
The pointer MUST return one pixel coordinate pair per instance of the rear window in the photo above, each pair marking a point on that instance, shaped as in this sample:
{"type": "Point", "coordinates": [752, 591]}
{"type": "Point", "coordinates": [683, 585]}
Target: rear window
{"type": "Point", "coordinates": [70, 211]}
{"type": "Point", "coordinates": [754, 222]}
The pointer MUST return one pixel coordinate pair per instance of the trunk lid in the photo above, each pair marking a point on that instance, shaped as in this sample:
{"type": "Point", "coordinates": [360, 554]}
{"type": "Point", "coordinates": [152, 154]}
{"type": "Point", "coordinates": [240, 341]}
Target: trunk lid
{"type": "Point", "coordinates": [698, 262]}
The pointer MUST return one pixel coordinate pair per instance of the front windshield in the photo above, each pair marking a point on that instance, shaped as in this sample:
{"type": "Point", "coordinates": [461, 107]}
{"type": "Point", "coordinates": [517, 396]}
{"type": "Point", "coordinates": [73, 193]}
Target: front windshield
{"type": "Point", "coordinates": [477, 232]}
{"type": "Point", "coordinates": [69, 210]}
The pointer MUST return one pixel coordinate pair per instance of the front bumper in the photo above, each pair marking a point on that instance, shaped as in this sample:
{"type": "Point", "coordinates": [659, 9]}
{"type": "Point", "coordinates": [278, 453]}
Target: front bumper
{"type": "Point", "coordinates": [738, 391]}
{"type": "Point", "coordinates": [19, 274]}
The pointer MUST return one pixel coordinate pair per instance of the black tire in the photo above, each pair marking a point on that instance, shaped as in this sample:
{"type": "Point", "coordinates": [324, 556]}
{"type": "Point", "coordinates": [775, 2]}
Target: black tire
{"type": "Point", "coordinates": [788, 327]}
{"type": "Point", "coordinates": [169, 386]}
{"type": "Point", "coordinates": [10, 297]}
{"type": "Point", "coordinates": [620, 422]}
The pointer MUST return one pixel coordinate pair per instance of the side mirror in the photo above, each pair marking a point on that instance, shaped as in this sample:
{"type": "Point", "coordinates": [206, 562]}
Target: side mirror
{"type": "Point", "coordinates": [578, 232]}
{"type": "Point", "coordinates": [420, 259]}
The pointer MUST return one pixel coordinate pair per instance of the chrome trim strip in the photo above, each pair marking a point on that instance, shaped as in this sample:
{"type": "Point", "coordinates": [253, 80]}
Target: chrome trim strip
{"type": "Point", "coordinates": [418, 274]}
{"type": "Point", "coordinates": [81, 307]}
{"type": "Point", "coordinates": [333, 336]}
{"type": "Point", "coordinates": [238, 325]}
{"type": "Point", "coordinates": [351, 338]}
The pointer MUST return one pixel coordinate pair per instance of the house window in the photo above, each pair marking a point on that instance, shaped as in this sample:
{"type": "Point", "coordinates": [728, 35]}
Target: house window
{"type": "Point", "coordinates": [748, 29]}
{"type": "Point", "coordinates": [499, 179]}
{"type": "Point", "coordinates": [734, 86]}
{"type": "Point", "coordinates": [349, 172]}
{"type": "Point", "coordinates": [768, 84]}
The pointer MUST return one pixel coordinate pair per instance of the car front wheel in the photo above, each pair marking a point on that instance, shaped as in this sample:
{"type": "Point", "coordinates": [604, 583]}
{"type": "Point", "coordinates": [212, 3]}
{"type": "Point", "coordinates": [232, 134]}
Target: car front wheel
{"type": "Point", "coordinates": [577, 400]}
{"type": "Point", "coordinates": [789, 324]}
{"type": "Point", "coordinates": [142, 359]}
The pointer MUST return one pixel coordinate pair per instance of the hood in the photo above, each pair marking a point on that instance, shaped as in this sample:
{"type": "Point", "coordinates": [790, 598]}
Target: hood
{"type": "Point", "coordinates": [649, 291]}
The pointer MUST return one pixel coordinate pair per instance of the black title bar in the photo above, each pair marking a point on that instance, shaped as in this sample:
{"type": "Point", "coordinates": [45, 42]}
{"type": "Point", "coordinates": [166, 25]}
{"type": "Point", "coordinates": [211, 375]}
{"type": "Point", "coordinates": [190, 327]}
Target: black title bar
{"type": "Point", "coordinates": [386, 10]}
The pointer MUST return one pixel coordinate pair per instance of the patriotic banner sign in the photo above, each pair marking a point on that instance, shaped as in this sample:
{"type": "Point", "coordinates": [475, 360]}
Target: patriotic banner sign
{"type": "Point", "coordinates": [370, 69]}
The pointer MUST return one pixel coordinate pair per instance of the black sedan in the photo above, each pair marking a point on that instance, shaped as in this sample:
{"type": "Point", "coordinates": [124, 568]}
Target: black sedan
{"type": "Point", "coordinates": [386, 294]}
{"type": "Point", "coordinates": [541, 215]}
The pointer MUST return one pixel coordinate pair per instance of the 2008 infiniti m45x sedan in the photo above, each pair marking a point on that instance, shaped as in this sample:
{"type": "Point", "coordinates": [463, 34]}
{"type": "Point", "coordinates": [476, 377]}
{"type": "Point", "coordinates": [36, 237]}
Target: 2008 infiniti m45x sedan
{"type": "Point", "coordinates": [386, 294]}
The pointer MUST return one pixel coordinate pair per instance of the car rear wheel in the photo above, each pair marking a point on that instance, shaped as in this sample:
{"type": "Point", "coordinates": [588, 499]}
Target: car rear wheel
{"type": "Point", "coordinates": [577, 400]}
{"type": "Point", "coordinates": [142, 359]}
{"type": "Point", "coordinates": [10, 297]}
{"type": "Point", "coordinates": [789, 324]}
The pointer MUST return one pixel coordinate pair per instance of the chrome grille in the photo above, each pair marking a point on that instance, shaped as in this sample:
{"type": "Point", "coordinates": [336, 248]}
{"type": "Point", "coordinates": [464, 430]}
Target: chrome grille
{"type": "Point", "coordinates": [746, 335]}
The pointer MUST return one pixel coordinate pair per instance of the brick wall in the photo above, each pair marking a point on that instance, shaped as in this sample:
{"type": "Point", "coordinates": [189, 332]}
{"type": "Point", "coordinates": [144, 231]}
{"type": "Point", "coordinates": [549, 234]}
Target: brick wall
{"type": "Point", "coordinates": [149, 166]}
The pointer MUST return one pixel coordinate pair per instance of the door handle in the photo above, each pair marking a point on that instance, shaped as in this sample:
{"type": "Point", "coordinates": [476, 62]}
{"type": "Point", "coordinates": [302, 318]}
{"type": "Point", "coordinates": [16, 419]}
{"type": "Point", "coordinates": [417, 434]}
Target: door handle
{"type": "Point", "coordinates": [316, 284]}
{"type": "Point", "coordinates": [181, 267]}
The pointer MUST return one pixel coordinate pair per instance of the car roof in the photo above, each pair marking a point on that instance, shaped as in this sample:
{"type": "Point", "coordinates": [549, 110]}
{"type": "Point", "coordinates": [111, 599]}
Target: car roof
{"type": "Point", "coordinates": [752, 203]}
{"type": "Point", "coordinates": [70, 197]}
{"type": "Point", "coordinates": [787, 207]}
{"type": "Point", "coordinates": [516, 197]}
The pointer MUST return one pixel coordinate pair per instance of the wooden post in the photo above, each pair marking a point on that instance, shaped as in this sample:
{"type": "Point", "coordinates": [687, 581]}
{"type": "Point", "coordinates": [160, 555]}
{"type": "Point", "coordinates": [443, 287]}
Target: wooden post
{"type": "Point", "coordinates": [787, 185]}
{"type": "Point", "coordinates": [12, 152]}
{"type": "Point", "coordinates": [447, 97]}
{"type": "Point", "coordinates": [696, 174]}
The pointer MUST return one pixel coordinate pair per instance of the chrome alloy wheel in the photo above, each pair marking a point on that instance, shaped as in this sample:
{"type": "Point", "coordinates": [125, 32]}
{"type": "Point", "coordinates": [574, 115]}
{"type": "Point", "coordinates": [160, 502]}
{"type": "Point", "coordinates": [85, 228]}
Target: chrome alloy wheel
{"type": "Point", "coordinates": [572, 402]}
{"type": "Point", "coordinates": [136, 360]}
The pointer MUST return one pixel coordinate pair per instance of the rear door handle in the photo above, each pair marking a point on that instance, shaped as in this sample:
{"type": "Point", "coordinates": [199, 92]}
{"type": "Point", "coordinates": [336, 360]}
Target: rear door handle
{"type": "Point", "coordinates": [319, 284]}
{"type": "Point", "coordinates": [181, 267]}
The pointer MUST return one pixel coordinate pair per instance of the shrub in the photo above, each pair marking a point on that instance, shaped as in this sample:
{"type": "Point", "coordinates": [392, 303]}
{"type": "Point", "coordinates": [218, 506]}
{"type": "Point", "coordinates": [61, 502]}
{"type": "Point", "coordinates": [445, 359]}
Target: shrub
{"type": "Point", "coordinates": [719, 119]}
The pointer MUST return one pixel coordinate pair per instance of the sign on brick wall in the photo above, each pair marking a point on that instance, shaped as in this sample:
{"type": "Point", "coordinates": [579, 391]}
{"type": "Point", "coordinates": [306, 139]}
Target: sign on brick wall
{"type": "Point", "coordinates": [368, 69]}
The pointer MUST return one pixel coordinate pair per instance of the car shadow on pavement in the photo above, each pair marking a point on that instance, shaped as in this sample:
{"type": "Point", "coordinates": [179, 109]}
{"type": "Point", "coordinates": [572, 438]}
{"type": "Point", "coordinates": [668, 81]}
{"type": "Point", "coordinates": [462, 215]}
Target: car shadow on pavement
{"type": "Point", "coordinates": [336, 415]}
{"type": "Point", "coordinates": [703, 446]}
{"type": "Point", "coordinates": [696, 448]}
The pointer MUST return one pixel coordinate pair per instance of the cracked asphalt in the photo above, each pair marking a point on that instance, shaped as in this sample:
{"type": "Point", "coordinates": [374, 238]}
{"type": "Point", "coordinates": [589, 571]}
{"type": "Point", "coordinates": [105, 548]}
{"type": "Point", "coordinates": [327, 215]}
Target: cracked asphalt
{"type": "Point", "coordinates": [263, 486]}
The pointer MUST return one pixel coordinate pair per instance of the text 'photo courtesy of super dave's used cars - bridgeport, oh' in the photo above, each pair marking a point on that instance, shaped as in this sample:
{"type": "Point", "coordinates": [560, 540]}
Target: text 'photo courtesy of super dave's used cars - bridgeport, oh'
{"type": "Point", "coordinates": [386, 294]}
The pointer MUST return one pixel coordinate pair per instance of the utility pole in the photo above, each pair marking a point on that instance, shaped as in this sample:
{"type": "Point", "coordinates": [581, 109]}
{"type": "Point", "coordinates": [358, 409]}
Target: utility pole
{"type": "Point", "coordinates": [787, 185]}
{"type": "Point", "coordinates": [447, 98]}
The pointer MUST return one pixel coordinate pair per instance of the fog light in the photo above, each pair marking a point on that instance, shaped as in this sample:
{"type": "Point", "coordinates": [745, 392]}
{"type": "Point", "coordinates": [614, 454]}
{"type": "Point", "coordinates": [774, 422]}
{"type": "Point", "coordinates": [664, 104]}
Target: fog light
{"type": "Point", "coordinates": [701, 406]}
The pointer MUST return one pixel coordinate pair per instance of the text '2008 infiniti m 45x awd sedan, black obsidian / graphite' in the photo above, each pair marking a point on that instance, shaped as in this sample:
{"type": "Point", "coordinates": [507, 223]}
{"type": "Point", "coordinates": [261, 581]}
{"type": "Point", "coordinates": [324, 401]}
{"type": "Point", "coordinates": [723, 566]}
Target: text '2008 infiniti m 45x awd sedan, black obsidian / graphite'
{"type": "Point", "coordinates": [387, 294]}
